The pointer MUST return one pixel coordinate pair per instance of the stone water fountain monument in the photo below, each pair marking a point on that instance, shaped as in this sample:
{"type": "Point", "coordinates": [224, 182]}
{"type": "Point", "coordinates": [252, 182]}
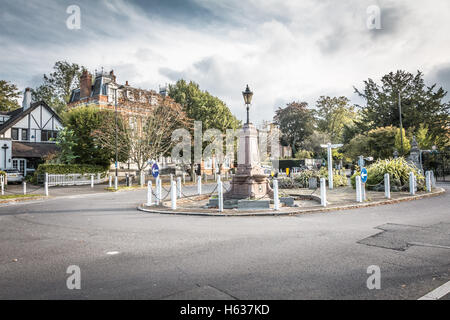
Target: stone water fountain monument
{"type": "Point", "coordinates": [249, 182]}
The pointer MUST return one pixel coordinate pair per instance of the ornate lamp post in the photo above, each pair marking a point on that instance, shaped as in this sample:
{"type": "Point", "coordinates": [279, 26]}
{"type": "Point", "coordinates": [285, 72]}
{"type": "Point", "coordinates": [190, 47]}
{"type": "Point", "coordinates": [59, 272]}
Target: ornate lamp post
{"type": "Point", "coordinates": [247, 94]}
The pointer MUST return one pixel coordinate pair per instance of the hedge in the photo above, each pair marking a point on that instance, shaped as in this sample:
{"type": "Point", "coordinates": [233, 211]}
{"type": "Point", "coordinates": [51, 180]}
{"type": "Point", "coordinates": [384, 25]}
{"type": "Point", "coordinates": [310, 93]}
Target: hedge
{"type": "Point", "coordinates": [69, 168]}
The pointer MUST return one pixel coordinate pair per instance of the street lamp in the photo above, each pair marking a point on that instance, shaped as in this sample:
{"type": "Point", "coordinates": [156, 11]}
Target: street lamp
{"type": "Point", "coordinates": [115, 112]}
{"type": "Point", "coordinates": [247, 94]}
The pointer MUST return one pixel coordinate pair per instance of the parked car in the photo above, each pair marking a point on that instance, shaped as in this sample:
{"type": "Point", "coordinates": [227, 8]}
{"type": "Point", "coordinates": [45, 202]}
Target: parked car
{"type": "Point", "coordinates": [14, 175]}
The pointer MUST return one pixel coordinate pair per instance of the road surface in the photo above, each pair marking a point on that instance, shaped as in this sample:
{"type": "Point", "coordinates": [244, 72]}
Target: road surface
{"type": "Point", "coordinates": [125, 253]}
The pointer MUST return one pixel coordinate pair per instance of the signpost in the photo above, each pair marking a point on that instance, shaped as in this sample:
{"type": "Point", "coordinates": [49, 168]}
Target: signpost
{"type": "Point", "coordinates": [330, 146]}
{"type": "Point", "coordinates": [155, 170]}
{"type": "Point", "coordinates": [363, 181]}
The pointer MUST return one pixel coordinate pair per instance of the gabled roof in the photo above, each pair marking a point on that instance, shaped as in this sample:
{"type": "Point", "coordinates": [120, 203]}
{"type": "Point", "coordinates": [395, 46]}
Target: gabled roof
{"type": "Point", "coordinates": [17, 114]}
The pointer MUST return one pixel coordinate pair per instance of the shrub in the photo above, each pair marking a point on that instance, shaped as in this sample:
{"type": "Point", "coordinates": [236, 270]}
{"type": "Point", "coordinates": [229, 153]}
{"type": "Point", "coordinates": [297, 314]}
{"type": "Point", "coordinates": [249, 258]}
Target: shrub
{"type": "Point", "coordinates": [398, 170]}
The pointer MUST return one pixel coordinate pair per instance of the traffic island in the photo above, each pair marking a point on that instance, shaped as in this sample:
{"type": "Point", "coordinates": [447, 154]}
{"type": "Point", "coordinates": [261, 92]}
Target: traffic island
{"type": "Point", "coordinates": [305, 201]}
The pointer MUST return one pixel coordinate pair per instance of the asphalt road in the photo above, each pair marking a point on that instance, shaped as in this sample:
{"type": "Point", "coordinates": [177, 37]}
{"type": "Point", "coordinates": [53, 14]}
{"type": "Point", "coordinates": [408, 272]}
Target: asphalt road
{"type": "Point", "coordinates": [311, 256]}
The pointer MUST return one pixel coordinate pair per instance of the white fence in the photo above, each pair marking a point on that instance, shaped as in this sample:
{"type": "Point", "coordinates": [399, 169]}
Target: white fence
{"type": "Point", "coordinates": [75, 179]}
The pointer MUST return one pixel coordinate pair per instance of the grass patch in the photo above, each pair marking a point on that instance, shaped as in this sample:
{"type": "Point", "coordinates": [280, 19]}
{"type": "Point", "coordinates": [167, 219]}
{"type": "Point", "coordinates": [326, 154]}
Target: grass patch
{"type": "Point", "coordinates": [13, 196]}
{"type": "Point", "coordinates": [119, 188]}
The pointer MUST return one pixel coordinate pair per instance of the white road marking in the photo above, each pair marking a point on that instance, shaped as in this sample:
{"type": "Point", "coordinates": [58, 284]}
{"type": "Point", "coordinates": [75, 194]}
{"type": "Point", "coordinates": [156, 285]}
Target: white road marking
{"type": "Point", "coordinates": [111, 253]}
{"type": "Point", "coordinates": [437, 293]}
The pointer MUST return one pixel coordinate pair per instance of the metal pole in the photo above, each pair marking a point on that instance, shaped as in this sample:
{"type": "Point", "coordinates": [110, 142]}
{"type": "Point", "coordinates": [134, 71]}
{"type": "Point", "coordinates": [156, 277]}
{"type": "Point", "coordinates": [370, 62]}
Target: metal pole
{"type": "Point", "coordinates": [248, 117]}
{"type": "Point", "coordinates": [330, 167]}
{"type": "Point", "coordinates": [401, 124]}
{"type": "Point", "coordinates": [24, 188]}
{"type": "Point", "coordinates": [115, 112]}
{"type": "Point", "coordinates": [110, 181]}
{"type": "Point", "coordinates": [92, 180]}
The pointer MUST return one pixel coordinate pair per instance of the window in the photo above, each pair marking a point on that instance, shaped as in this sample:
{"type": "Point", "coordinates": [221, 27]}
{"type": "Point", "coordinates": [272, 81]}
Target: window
{"type": "Point", "coordinates": [47, 135]}
{"type": "Point", "coordinates": [15, 134]}
{"type": "Point", "coordinates": [25, 134]}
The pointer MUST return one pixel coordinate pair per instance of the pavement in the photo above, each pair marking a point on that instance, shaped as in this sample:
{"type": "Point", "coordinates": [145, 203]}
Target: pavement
{"type": "Point", "coordinates": [125, 253]}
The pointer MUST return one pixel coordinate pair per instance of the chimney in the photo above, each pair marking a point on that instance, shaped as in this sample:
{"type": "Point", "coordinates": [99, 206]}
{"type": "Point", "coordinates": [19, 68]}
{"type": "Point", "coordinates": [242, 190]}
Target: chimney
{"type": "Point", "coordinates": [113, 77]}
{"type": "Point", "coordinates": [85, 85]}
{"type": "Point", "coordinates": [26, 99]}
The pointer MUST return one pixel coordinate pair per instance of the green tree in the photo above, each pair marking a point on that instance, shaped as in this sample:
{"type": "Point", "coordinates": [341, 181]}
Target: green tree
{"type": "Point", "coordinates": [379, 143]}
{"type": "Point", "coordinates": [420, 103]}
{"type": "Point", "coordinates": [398, 142]}
{"type": "Point", "coordinates": [58, 85]}
{"type": "Point", "coordinates": [200, 105]}
{"type": "Point", "coordinates": [333, 114]}
{"type": "Point", "coordinates": [8, 96]}
{"type": "Point", "coordinates": [83, 122]}
{"type": "Point", "coordinates": [304, 154]}
{"type": "Point", "coordinates": [296, 123]}
{"type": "Point", "coordinates": [66, 142]}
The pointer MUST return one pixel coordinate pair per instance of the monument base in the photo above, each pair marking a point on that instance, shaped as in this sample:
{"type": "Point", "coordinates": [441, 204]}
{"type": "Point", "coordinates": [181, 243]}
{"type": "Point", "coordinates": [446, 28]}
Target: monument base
{"type": "Point", "coordinates": [249, 187]}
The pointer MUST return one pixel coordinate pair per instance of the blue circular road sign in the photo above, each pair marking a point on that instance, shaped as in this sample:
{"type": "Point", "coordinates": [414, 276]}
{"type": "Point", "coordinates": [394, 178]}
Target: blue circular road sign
{"type": "Point", "coordinates": [155, 170]}
{"type": "Point", "coordinates": [363, 175]}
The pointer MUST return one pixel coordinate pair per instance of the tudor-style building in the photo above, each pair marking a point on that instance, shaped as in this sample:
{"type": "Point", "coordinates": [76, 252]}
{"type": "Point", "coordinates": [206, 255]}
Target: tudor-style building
{"type": "Point", "coordinates": [26, 135]}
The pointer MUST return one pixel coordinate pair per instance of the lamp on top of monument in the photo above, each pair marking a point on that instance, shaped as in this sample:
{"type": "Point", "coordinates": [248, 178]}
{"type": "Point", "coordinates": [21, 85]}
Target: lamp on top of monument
{"type": "Point", "coordinates": [247, 94]}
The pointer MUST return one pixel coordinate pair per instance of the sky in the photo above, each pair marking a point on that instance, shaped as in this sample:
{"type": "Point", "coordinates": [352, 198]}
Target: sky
{"type": "Point", "coordinates": [285, 50]}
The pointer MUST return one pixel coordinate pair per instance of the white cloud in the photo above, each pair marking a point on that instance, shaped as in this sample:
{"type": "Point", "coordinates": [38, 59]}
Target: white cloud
{"type": "Point", "coordinates": [290, 50]}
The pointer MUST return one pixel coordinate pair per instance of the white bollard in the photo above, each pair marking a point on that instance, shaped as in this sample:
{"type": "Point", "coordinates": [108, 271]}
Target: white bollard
{"type": "Point", "coordinates": [149, 193]}
{"type": "Point", "coordinates": [142, 179]}
{"type": "Point", "coordinates": [428, 180]}
{"type": "Point", "coordinates": [110, 181]}
{"type": "Point", "coordinates": [184, 177]}
{"type": "Point", "coordinates": [433, 180]}
{"type": "Point", "coordinates": [276, 200]}
{"type": "Point", "coordinates": [116, 182]}
{"type": "Point", "coordinates": [171, 179]}
{"type": "Point", "coordinates": [199, 185]}
{"type": "Point", "coordinates": [179, 186]}
{"type": "Point", "coordinates": [387, 186]}
{"type": "Point", "coordinates": [323, 192]}
{"type": "Point", "coordinates": [2, 183]}
{"type": "Point", "coordinates": [173, 195]}
{"type": "Point", "coordinates": [46, 184]}
{"type": "Point", "coordinates": [359, 197]}
{"type": "Point", "coordinates": [24, 187]}
{"type": "Point", "coordinates": [412, 188]}
{"type": "Point", "coordinates": [92, 180]}
{"type": "Point", "coordinates": [158, 190]}
{"type": "Point", "coordinates": [220, 195]}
